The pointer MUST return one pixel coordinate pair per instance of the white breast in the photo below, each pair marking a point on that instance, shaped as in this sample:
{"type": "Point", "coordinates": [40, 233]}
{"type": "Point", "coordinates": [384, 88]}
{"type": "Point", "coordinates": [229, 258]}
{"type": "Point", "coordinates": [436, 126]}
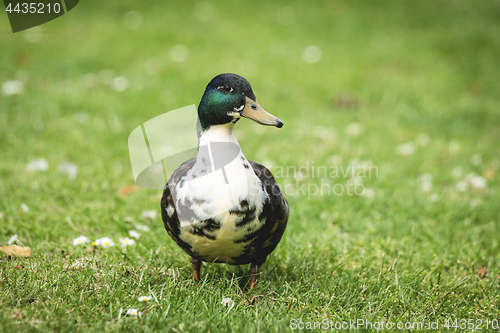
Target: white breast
{"type": "Point", "coordinates": [210, 190]}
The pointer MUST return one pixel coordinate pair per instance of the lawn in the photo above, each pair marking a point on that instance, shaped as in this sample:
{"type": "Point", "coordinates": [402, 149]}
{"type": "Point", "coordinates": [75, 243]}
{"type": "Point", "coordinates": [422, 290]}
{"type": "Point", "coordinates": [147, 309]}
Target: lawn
{"type": "Point", "coordinates": [389, 158]}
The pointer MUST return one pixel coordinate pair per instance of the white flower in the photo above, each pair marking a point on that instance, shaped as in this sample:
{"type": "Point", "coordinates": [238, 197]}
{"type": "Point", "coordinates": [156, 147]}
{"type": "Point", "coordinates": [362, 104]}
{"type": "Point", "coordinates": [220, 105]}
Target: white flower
{"type": "Point", "coordinates": [354, 129]}
{"type": "Point", "coordinates": [326, 134]}
{"type": "Point", "coordinates": [132, 20]}
{"type": "Point", "coordinates": [426, 177]}
{"type": "Point", "coordinates": [203, 11]}
{"type": "Point", "coordinates": [476, 182]}
{"type": "Point", "coordinates": [269, 164]}
{"type": "Point", "coordinates": [24, 208]}
{"type": "Point", "coordinates": [179, 53]}
{"type": "Point", "coordinates": [335, 159]}
{"type": "Point", "coordinates": [433, 197]}
{"type": "Point", "coordinates": [149, 214]}
{"type": "Point", "coordinates": [286, 16]}
{"type": "Point", "coordinates": [119, 83]}
{"type": "Point", "coordinates": [426, 182]}
{"type": "Point", "coordinates": [106, 76]}
{"type": "Point", "coordinates": [133, 312]}
{"type": "Point", "coordinates": [474, 203]}
{"type": "Point", "coordinates": [14, 87]}
{"type": "Point", "coordinates": [67, 168]}
{"type": "Point", "coordinates": [423, 139]}
{"type": "Point", "coordinates": [80, 240]}
{"type": "Point", "coordinates": [406, 149]}
{"type": "Point", "coordinates": [77, 265]}
{"type": "Point", "coordinates": [34, 35]}
{"type": "Point", "coordinates": [37, 165]}
{"type": "Point", "coordinates": [12, 239]}
{"type": "Point", "coordinates": [126, 241]}
{"type": "Point", "coordinates": [299, 176]}
{"type": "Point", "coordinates": [105, 242]}
{"type": "Point", "coordinates": [134, 234]}
{"type": "Point", "coordinates": [88, 80]}
{"type": "Point", "coordinates": [227, 302]}
{"type": "Point", "coordinates": [457, 172]}
{"type": "Point", "coordinates": [355, 181]}
{"type": "Point", "coordinates": [426, 186]}
{"type": "Point", "coordinates": [144, 298]}
{"type": "Point", "coordinates": [476, 159]}
{"type": "Point", "coordinates": [142, 227]}
{"type": "Point", "coordinates": [454, 147]}
{"type": "Point", "coordinates": [1, 215]}
{"type": "Point", "coordinates": [369, 193]}
{"type": "Point", "coordinates": [461, 186]}
{"type": "Point", "coordinates": [312, 54]}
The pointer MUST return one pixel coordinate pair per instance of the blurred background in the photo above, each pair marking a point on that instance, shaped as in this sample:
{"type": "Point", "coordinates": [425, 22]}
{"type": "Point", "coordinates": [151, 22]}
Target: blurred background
{"type": "Point", "coordinates": [411, 88]}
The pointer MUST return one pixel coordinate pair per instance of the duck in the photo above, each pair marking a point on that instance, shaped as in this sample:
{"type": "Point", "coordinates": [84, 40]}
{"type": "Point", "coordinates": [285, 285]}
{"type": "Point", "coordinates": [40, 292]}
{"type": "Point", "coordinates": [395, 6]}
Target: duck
{"type": "Point", "coordinates": [220, 207]}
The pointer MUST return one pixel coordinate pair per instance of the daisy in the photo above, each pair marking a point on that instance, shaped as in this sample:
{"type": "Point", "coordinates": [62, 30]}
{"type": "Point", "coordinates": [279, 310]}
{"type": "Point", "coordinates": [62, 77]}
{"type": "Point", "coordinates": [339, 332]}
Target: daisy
{"type": "Point", "coordinates": [144, 298]}
{"type": "Point", "coordinates": [14, 87]}
{"type": "Point", "coordinates": [12, 239]}
{"type": "Point", "coordinates": [134, 234]}
{"type": "Point", "coordinates": [433, 197]}
{"type": "Point", "coordinates": [312, 54]}
{"type": "Point", "coordinates": [25, 208]}
{"type": "Point", "coordinates": [461, 186]}
{"type": "Point", "coordinates": [105, 242]}
{"type": "Point", "coordinates": [326, 134]}
{"type": "Point", "coordinates": [133, 313]}
{"type": "Point", "coordinates": [142, 227]}
{"type": "Point", "coordinates": [426, 186]}
{"type": "Point", "coordinates": [149, 214]}
{"type": "Point", "coordinates": [69, 169]}
{"type": "Point", "coordinates": [37, 165]}
{"type": "Point", "coordinates": [423, 139]}
{"type": "Point", "coordinates": [476, 182]}
{"type": "Point", "coordinates": [476, 159]}
{"type": "Point", "coordinates": [126, 241]}
{"type": "Point", "coordinates": [80, 240]}
{"type": "Point", "coordinates": [335, 159]}
{"type": "Point", "coordinates": [368, 192]}
{"type": "Point", "coordinates": [227, 302]}
{"type": "Point", "coordinates": [457, 172]}
{"type": "Point", "coordinates": [474, 203]}
{"type": "Point", "coordinates": [354, 129]}
{"type": "Point", "coordinates": [120, 84]}
{"type": "Point", "coordinates": [128, 219]}
{"type": "Point", "coordinates": [406, 149]}
{"type": "Point", "coordinates": [426, 182]}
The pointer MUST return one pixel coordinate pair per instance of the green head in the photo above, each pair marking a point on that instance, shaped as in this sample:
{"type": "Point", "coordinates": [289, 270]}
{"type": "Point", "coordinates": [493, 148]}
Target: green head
{"type": "Point", "coordinates": [227, 98]}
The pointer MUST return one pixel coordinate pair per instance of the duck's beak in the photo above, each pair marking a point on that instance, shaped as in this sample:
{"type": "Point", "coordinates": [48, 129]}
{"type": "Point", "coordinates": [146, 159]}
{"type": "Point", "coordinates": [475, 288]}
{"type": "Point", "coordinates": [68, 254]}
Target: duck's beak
{"type": "Point", "coordinates": [255, 112]}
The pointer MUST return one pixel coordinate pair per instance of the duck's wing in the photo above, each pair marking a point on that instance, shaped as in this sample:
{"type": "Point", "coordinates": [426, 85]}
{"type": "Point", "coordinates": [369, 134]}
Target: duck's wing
{"type": "Point", "coordinates": [168, 212]}
{"type": "Point", "coordinates": [274, 212]}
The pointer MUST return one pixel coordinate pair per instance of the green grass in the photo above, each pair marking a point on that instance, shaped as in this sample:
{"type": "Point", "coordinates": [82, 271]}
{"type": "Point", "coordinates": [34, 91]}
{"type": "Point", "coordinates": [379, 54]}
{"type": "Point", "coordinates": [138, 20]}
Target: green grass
{"type": "Point", "coordinates": [410, 71]}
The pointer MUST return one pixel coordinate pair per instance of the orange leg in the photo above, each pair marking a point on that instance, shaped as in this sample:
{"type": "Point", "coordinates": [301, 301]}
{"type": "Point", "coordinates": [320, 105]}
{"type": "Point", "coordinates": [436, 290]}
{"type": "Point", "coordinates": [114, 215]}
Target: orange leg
{"type": "Point", "coordinates": [196, 267]}
{"type": "Point", "coordinates": [254, 270]}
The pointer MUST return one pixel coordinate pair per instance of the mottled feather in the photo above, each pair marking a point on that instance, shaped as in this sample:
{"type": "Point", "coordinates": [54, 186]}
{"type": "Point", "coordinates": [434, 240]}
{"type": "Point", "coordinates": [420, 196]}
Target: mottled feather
{"type": "Point", "coordinates": [260, 242]}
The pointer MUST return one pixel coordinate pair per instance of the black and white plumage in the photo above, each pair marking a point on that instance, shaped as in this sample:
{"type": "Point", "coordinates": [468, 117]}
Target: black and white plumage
{"type": "Point", "coordinates": [236, 215]}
